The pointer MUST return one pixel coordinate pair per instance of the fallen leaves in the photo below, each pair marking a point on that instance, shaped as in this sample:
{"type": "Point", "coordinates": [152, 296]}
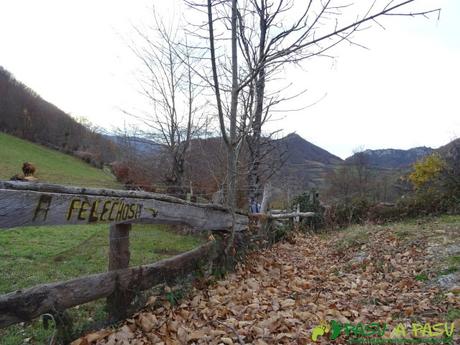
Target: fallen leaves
{"type": "Point", "coordinates": [278, 295]}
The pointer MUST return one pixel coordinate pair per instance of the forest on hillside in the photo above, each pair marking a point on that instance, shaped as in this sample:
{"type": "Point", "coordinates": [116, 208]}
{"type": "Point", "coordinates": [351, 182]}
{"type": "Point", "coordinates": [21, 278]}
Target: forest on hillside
{"type": "Point", "coordinates": [25, 114]}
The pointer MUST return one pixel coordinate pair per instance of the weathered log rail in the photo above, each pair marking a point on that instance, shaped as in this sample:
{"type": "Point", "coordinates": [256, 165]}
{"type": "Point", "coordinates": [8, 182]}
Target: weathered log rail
{"type": "Point", "coordinates": [24, 305]}
{"type": "Point", "coordinates": [35, 204]}
{"type": "Point", "coordinates": [24, 203]}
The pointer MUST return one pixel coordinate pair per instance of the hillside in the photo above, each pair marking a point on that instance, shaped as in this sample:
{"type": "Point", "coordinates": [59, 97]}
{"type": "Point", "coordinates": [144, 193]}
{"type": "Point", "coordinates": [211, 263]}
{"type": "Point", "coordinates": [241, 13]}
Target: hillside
{"type": "Point", "coordinates": [300, 151]}
{"type": "Point", "coordinates": [53, 166]}
{"type": "Point", "coordinates": [306, 166]}
{"type": "Point", "coordinates": [23, 113]}
{"type": "Point", "coordinates": [392, 158]}
{"type": "Point", "coordinates": [448, 150]}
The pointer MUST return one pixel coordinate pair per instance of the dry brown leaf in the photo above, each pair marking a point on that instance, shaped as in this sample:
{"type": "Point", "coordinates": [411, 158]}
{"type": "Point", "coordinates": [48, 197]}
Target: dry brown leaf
{"type": "Point", "coordinates": [227, 341]}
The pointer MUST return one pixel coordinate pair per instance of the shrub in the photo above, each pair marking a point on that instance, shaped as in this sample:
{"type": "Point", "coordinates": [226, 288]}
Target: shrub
{"type": "Point", "coordinates": [427, 170]}
{"type": "Point", "coordinates": [309, 202]}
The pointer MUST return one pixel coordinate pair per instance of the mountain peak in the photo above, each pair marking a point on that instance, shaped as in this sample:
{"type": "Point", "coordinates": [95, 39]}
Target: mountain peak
{"type": "Point", "coordinates": [301, 150]}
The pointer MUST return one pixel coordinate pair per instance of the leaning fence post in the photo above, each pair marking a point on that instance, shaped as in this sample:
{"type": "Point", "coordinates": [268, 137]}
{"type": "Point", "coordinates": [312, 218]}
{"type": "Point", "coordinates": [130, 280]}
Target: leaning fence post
{"type": "Point", "coordinates": [119, 301]}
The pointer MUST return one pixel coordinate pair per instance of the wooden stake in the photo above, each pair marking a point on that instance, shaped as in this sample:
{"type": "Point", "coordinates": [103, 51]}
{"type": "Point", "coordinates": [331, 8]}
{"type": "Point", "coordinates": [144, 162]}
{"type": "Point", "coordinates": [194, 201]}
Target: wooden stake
{"type": "Point", "coordinates": [119, 255]}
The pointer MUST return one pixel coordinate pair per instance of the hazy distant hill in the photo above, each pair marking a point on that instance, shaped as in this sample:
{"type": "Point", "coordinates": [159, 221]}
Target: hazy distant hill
{"type": "Point", "coordinates": [393, 158]}
{"type": "Point", "coordinates": [306, 166]}
{"type": "Point", "coordinates": [301, 151]}
{"type": "Point", "coordinates": [141, 146]}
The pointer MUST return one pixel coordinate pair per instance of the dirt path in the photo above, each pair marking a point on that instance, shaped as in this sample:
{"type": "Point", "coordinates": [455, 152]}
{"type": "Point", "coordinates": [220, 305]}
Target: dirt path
{"type": "Point", "coordinates": [367, 274]}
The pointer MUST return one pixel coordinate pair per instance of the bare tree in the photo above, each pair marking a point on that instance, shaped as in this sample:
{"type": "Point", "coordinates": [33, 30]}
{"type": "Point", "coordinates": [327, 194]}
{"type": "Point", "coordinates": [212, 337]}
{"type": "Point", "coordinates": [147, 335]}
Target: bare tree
{"type": "Point", "coordinates": [269, 34]}
{"type": "Point", "coordinates": [360, 163]}
{"type": "Point", "coordinates": [168, 83]}
{"type": "Point", "coordinates": [230, 135]}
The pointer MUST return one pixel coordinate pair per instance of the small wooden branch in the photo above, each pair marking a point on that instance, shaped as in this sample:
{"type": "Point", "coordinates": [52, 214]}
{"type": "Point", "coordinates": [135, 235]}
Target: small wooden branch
{"type": "Point", "coordinates": [292, 215]}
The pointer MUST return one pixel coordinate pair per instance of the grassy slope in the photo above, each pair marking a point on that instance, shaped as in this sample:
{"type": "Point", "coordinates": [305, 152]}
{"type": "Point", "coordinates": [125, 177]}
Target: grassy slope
{"type": "Point", "coordinates": [52, 166]}
{"type": "Point", "coordinates": [35, 255]}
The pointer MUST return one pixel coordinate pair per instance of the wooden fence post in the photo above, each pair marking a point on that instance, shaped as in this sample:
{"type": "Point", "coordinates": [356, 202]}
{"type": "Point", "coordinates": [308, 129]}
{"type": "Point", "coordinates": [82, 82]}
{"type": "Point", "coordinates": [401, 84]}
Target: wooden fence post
{"type": "Point", "coordinates": [119, 301]}
{"type": "Point", "coordinates": [297, 218]}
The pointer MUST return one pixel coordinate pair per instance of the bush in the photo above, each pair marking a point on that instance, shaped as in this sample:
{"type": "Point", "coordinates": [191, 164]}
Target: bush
{"type": "Point", "coordinates": [89, 158]}
{"type": "Point", "coordinates": [342, 214]}
{"type": "Point", "coordinates": [309, 202]}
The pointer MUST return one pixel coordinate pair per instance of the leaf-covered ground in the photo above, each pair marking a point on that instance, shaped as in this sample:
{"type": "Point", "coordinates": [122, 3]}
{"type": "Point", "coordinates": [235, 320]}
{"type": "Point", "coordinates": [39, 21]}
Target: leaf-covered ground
{"type": "Point", "coordinates": [387, 274]}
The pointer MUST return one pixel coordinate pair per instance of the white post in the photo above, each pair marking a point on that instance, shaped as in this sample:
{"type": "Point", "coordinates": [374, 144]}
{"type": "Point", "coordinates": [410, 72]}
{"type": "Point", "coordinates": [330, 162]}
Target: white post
{"type": "Point", "coordinates": [266, 198]}
{"type": "Point", "coordinates": [297, 218]}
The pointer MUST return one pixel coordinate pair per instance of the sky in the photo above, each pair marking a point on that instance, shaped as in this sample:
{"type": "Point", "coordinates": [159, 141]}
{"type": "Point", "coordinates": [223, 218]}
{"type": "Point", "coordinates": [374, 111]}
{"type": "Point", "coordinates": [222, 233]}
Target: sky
{"type": "Point", "coordinates": [400, 92]}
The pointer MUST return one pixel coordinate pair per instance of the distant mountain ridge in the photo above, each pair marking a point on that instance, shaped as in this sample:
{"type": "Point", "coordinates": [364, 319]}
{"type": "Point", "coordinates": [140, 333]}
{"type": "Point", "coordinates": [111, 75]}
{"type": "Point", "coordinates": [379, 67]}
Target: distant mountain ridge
{"type": "Point", "coordinates": [140, 145]}
{"type": "Point", "coordinates": [392, 158]}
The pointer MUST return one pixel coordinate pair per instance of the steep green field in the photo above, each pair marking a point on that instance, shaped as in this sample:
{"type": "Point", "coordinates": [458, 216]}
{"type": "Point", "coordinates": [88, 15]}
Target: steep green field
{"type": "Point", "coordinates": [52, 166]}
{"type": "Point", "coordinates": [35, 255]}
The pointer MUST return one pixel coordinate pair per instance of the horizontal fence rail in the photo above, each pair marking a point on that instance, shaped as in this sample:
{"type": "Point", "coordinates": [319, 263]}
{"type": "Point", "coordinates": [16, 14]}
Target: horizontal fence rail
{"type": "Point", "coordinates": [24, 203]}
{"type": "Point", "coordinates": [291, 215]}
{"type": "Point", "coordinates": [24, 305]}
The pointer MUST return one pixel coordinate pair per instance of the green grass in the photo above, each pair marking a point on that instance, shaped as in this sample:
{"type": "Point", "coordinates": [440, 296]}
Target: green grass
{"type": "Point", "coordinates": [353, 236]}
{"type": "Point", "coordinates": [421, 277]}
{"type": "Point", "coordinates": [453, 314]}
{"type": "Point", "coordinates": [453, 265]}
{"type": "Point", "coordinates": [34, 255]}
{"type": "Point", "coordinates": [52, 166]}
{"type": "Point", "coordinates": [29, 256]}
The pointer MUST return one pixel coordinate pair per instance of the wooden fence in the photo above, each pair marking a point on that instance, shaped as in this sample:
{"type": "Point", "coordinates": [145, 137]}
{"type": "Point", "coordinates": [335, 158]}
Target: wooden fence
{"type": "Point", "coordinates": [26, 204]}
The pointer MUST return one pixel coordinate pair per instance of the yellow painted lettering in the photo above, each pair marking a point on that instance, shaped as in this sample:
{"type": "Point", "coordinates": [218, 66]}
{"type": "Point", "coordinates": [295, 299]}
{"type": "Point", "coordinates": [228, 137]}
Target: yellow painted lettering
{"type": "Point", "coordinates": [427, 330]}
{"type": "Point", "coordinates": [416, 328]}
{"type": "Point", "coordinates": [74, 204]}
{"type": "Point", "coordinates": [105, 209]}
{"type": "Point", "coordinates": [111, 210]}
{"type": "Point", "coordinates": [138, 211]}
{"type": "Point", "coordinates": [125, 212]}
{"type": "Point", "coordinates": [82, 214]}
{"type": "Point", "coordinates": [131, 211]}
{"type": "Point", "coordinates": [93, 217]}
{"type": "Point", "coordinates": [120, 211]}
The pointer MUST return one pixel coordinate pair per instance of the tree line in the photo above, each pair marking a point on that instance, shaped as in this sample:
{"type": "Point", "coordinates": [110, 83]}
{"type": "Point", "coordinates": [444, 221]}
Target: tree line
{"type": "Point", "coordinates": [25, 114]}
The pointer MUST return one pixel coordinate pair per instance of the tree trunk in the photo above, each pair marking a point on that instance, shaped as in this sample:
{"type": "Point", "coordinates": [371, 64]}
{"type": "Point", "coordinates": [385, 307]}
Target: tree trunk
{"type": "Point", "coordinates": [232, 163]}
{"type": "Point", "coordinates": [254, 177]}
